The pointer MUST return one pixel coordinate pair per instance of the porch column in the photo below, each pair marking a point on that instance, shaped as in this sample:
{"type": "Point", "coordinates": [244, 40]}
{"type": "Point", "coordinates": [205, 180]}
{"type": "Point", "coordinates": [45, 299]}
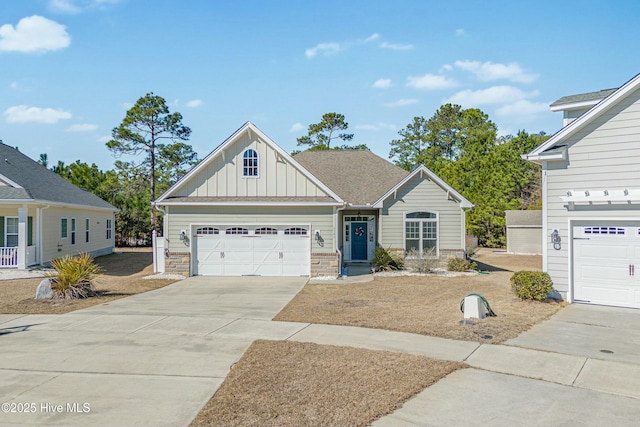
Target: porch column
{"type": "Point", "coordinates": [22, 238]}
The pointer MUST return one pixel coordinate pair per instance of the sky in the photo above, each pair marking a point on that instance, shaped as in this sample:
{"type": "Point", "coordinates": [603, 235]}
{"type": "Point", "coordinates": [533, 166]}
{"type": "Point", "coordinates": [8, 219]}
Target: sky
{"type": "Point", "coordinates": [70, 69]}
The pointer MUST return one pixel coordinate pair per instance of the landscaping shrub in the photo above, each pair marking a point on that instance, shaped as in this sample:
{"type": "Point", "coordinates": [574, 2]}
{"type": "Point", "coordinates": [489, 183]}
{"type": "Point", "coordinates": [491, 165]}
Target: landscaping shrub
{"type": "Point", "coordinates": [532, 285]}
{"type": "Point", "coordinates": [73, 276]}
{"type": "Point", "coordinates": [424, 262]}
{"type": "Point", "coordinates": [460, 264]}
{"type": "Point", "coordinates": [383, 260]}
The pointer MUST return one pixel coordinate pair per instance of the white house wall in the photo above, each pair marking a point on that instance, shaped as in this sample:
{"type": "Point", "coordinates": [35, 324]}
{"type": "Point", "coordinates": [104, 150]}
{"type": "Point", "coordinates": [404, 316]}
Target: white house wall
{"type": "Point", "coordinates": [604, 155]}
{"type": "Point", "coordinates": [223, 176]}
{"type": "Point", "coordinates": [54, 246]}
{"type": "Point", "coordinates": [319, 218]}
{"type": "Point", "coordinates": [420, 194]}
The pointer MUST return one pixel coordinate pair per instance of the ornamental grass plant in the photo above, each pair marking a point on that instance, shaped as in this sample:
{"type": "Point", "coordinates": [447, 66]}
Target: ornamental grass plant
{"type": "Point", "coordinates": [73, 276]}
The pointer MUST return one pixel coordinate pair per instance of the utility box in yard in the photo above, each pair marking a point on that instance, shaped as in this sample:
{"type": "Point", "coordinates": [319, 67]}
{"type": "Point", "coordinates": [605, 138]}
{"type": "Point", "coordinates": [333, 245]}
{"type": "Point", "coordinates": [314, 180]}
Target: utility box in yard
{"type": "Point", "coordinates": [473, 307]}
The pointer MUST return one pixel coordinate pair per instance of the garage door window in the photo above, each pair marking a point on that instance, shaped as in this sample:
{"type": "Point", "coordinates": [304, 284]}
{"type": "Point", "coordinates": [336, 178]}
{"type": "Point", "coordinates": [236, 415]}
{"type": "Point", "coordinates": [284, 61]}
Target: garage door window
{"type": "Point", "coordinates": [607, 231]}
{"type": "Point", "coordinates": [236, 230]}
{"type": "Point", "coordinates": [295, 231]}
{"type": "Point", "coordinates": [266, 230]}
{"type": "Point", "coordinates": [203, 231]}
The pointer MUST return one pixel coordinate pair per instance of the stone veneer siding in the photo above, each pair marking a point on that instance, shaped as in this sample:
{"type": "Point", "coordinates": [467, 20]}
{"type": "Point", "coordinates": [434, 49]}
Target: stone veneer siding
{"type": "Point", "coordinates": [323, 264]}
{"type": "Point", "coordinates": [177, 263]}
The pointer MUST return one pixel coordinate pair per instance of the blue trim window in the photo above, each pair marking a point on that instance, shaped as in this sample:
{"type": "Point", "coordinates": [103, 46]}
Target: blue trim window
{"type": "Point", "coordinates": [250, 163]}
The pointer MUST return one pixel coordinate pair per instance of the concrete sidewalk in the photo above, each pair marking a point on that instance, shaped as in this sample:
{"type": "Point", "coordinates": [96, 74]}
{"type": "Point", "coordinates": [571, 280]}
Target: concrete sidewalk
{"type": "Point", "coordinates": [509, 385]}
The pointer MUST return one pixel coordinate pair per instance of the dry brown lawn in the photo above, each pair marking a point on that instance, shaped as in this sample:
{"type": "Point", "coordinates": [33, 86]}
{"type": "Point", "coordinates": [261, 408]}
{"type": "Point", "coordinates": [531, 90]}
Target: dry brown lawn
{"type": "Point", "coordinates": [283, 383]}
{"type": "Point", "coordinates": [122, 276]}
{"type": "Point", "coordinates": [428, 305]}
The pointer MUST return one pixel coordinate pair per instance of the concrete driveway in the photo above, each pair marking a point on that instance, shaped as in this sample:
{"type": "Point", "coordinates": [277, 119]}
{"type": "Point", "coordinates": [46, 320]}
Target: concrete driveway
{"type": "Point", "coordinates": [150, 359]}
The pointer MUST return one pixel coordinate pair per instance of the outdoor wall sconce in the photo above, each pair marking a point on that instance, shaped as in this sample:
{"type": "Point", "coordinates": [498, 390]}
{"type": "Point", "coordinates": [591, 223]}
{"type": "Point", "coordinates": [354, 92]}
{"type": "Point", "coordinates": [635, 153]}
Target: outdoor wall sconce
{"type": "Point", "coordinates": [183, 235]}
{"type": "Point", "coordinates": [319, 238]}
{"type": "Point", "coordinates": [556, 240]}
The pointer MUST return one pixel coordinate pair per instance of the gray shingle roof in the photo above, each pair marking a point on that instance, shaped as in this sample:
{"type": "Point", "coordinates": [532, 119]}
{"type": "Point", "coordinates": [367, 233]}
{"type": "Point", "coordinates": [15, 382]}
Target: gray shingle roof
{"type": "Point", "coordinates": [39, 183]}
{"type": "Point", "coordinates": [591, 96]}
{"type": "Point", "coordinates": [357, 176]}
{"type": "Point", "coordinates": [528, 217]}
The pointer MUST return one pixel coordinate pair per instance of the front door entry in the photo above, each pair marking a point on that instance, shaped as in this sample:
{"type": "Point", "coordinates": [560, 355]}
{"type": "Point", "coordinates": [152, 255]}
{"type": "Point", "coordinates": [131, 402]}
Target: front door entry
{"type": "Point", "coordinates": [358, 241]}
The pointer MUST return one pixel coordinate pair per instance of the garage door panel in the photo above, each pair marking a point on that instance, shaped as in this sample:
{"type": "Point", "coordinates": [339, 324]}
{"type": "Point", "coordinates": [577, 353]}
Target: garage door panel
{"type": "Point", "coordinates": [264, 250]}
{"type": "Point", "coordinates": [601, 273]}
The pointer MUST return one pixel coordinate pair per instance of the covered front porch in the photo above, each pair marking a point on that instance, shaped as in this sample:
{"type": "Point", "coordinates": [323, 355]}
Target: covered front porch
{"type": "Point", "coordinates": [17, 248]}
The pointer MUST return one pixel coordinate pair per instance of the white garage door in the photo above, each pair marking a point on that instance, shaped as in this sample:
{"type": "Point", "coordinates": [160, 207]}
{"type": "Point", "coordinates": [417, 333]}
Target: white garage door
{"type": "Point", "coordinates": [605, 258]}
{"type": "Point", "coordinates": [249, 251]}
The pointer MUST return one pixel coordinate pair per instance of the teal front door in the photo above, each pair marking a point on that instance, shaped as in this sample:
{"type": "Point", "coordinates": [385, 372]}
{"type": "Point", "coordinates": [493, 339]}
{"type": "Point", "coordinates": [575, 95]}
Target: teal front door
{"type": "Point", "coordinates": [358, 241]}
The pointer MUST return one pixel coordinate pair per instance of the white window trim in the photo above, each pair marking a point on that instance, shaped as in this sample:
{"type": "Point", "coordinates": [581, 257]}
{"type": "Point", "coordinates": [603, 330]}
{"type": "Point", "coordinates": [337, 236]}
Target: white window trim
{"type": "Point", "coordinates": [109, 229]}
{"type": "Point", "coordinates": [257, 166]}
{"type": "Point", "coordinates": [436, 220]}
{"type": "Point", "coordinates": [66, 236]}
{"type": "Point", "coordinates": [87, 228]}
{"type": "Point", "coordinates": [6, 233]}
{"type": "Point", "coordinates": [74, 236]}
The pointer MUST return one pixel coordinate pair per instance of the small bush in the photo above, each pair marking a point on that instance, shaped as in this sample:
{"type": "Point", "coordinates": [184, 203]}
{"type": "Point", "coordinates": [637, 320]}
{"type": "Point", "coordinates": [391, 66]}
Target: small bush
{"type": "Point", "coordinates": [73, 276]}
{"type": "Point", "coordinates": [531, 285]}
{"type": "Point", "coordinates": [383, 260]}
{"type": "Point", "coordinates": [460, 264]}
{"type": "Point", "coordinates": [424, 262]}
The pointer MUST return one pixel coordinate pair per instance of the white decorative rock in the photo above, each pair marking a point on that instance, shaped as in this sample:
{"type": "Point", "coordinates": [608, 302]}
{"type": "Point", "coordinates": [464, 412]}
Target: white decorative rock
{"type": "Point", "coordinates": [44, 289]}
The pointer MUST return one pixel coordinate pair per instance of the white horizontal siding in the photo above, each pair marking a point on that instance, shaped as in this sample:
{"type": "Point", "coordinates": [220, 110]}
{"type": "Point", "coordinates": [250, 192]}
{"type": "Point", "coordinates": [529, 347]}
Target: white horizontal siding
{"type": "Point", "coordinates": [183, 218]}
{"type": "Point", "coordinates": [604, 155]}
{"type": "Point", "coordinates": [54, 246]}
{"type": "Point", "coordinates": [223, 177]}
{"type": "Point", "coordinates": [420, 194]}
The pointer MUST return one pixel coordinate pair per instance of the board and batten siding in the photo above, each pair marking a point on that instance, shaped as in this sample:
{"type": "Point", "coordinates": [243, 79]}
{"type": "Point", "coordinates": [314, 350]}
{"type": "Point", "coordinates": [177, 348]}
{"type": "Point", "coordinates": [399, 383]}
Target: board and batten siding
{"type": "Point", "coordinates": [603, 156]}
{"type": "Point", "coordinates": [421, 194]}
{"type": "Point", "coordinates": [185, 217]}
{"type": "Point", "coordinates": [54, 246]}
{"type": "Point", "coordinates": [223, 175]}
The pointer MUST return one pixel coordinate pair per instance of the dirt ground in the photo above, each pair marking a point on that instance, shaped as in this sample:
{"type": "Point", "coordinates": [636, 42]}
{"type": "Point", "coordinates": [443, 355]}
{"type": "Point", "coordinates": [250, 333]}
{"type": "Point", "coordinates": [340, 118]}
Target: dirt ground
{"type": "Point", "coordinates": [428, 305]}
{"type": "Point", "coordinates": [122, 276]}
{"type": "Point", "coordinates": [283, 383]}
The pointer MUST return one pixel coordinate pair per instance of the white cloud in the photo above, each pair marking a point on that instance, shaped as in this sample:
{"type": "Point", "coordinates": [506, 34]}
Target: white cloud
{"type": "Point", "coordinates": [522, 107]}
{"type": "Point", "coordinates": [194, 103]}
{"type": "Point", "coordinates": [431, 82]}
{"type": "Point", "coordinates": [376, 126]}
{"type": "Point", "coordinates": [382, 83]}
{"type": "Point", "coordinates": [489, 71]}
{"type": "Point", "coordinates": [14, 85]}
{"type": "Point", "coordinates": [63, 6]}
{"type": "Point", "coordinates": [395, 46]}
{"type": "Point", "coordinates": [33, 34]}
{"type": "Point", "coordinates": [460, 32]}
{"type": "Point", "coordinates": [372, 37]}
{"type": "Point", "coordinates": [296, 127]}
{"type": "Point", "coordinates": [491, 95]}
{"type": "Point", "coordinates": [403, 102]}
{"type": "Point", "coordinates": [82, 127]}
{"type": "Point", "coordinates": [26, 114]}
{"type": "Point", "coordinates": [104, 139]}
{"type": "Point", "coordinates": [73, 7]}
{"type": "Point", "coordinates": [324, 48]}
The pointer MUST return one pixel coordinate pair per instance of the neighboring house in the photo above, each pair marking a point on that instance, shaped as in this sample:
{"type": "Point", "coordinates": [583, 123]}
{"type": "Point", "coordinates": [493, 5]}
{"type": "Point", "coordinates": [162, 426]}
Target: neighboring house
{"type": "Point", "coordinates": [249, 208]}
{"type": "Point", "coordinates": [591, 197]}
{"type": "Point", "coordinates": [43, 216]}
{"type": "Point", "coordinates": [524, 232]}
